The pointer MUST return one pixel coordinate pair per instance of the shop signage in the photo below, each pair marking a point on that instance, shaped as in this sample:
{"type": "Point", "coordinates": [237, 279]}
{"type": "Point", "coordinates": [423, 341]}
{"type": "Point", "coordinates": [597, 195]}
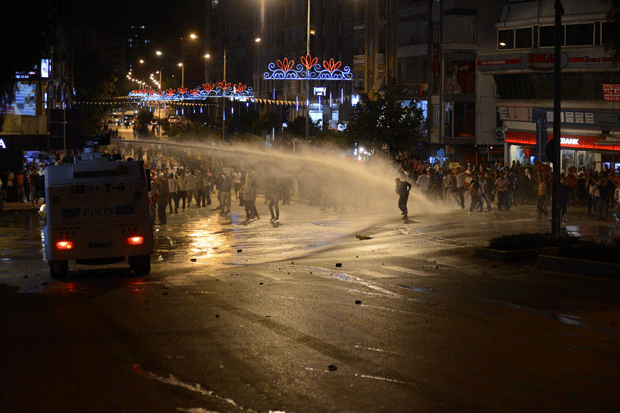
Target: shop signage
{"type": "Point", "coordinates": [611, 92]}
{"type": "Point", "coordinates": [544, 61]}
{"type": "Point", "coordinates": [2, 144]}
{"type": "Point", "coordinates": [569, 141]}
{"type": "Point", "coordinates": [572, 141]}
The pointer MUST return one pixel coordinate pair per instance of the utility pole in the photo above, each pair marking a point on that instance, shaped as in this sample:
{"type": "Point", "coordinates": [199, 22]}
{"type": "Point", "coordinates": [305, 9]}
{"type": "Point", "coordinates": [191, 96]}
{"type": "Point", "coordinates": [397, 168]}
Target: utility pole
{"type": "Point", "coordinates": [557, 96]}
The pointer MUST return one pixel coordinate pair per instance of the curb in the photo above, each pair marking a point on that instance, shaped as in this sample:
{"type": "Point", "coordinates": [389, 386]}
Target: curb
{"type": "Point", "coordinates": [513, 256]}
{"type": "Point", "coordinates": [579, 267]}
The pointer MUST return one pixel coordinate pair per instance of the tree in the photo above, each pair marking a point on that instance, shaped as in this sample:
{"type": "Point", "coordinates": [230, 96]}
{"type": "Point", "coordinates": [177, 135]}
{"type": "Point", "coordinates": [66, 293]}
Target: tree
{"type": "Point", "coordinates": [266, 123]}
{"type": "Point", "coordinates": [143, 119]}
{"type": "Point", "coordinates": [387, 117]}
{"type": "Point", "coordinates": [93, 80]}
{"type": "Point", "coordinates": [298, 127]}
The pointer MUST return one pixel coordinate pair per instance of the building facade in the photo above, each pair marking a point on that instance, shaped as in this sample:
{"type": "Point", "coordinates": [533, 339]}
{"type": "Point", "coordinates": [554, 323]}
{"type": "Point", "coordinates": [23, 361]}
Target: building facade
{"type": "Point", "coordinates": [431, 46]}
{"type": "Point", "coordinates": [292, 30]}
{"type": "Point", "coordinates": [522, 69]}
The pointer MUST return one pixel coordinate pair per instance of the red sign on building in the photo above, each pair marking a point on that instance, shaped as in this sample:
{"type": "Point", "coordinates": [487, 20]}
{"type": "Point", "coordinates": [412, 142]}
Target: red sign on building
{"type": "Point", "coordinates": [611, 92]}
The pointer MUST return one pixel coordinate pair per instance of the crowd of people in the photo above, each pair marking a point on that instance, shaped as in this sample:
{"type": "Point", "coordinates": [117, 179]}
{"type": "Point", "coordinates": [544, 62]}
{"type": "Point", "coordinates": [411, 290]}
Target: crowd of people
{"type": "Point", "coordinates": [177, 188]}
{"type": "Point", "coordinates": [19, 185]}
{"type": "Point", "coordinates": [488, 183]}
{"type": "Point", "coordinates": [475, 188]}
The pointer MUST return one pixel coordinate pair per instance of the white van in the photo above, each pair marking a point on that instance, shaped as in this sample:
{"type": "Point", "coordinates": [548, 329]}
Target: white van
{"type": "Point", "coordinates": [97, 212]}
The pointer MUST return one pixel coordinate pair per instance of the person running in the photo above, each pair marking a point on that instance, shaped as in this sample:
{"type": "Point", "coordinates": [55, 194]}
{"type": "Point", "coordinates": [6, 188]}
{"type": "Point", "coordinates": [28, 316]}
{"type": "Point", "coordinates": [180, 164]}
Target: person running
{"type": "Point", "coordinates": [402, 189]}
{"type": "Point", "coordinates": [483, 193]}
{"type": "Point", "coordinates": [474, 193]}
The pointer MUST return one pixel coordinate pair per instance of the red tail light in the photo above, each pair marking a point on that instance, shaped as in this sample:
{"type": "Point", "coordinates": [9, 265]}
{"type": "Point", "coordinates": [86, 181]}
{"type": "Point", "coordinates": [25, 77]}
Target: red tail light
{"type": "Point", "coordinates": [134, 240]}
{"type": "Point", "coordinates": [64, 245]}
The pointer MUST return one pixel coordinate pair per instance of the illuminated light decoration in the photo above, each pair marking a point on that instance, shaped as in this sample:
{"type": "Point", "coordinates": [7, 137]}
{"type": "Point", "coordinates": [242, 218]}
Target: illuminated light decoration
{"type": "Point", "coordinates": [221, 90]}
{"type": "Point", "coordinates": [285, 65]}
{"type": "Point", "coordinates": [331, 66]}
{"type": "Point", "coordinates": [308, 69]}
{"type": "Point", "coordinates": [308, 62]}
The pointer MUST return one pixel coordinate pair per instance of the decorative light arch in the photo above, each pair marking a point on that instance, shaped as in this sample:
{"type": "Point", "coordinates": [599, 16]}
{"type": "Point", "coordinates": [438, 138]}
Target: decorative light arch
{"type": "Point", "coordinates": [308, 69]}
{"type": "Point", "coordinates": [221, 90]}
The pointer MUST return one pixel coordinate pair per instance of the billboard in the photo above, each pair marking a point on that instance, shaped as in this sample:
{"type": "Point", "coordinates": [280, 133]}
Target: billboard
{"type": "Point", "coordinates": [24, 102]}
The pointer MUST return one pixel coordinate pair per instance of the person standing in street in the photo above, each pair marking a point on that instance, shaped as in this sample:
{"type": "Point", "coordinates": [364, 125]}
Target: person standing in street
{"type": "Point", "coordinates": [200, 189]}
{"type": "Point", "coordinates": [460, 187]}
{"type": "Point", "coordinates": [181, 185]}
{"type": "Point", "coordinates": [543, 193]}
{"type": "Point", "coordinates": [10, 186]}
{"type": "Point", "coordinates": [162, 201]}
{"type": "Point", "coordinates": [191, 186]}
{"type": "Point", "coordinates": [20, 180]}
{"type": "Point", "coordinates": [424, 183]}
{"type": "Point", "coordinates": [172, 193]}
{"type": "Point", "coordinates": [225, 191]}
{"type": "Point", "coordinates": [236, 176]}
{"type": "Point", "coordinates": [272, 197]}
{"type": "Point", "coordinates": [606, 190]}
{"type": "Point", "coordinates": [250, 189]}
{"type": "Point", "coordinates": [502, 188]}
{"type": "Point", "coordinates": [32, 180]}
{"type": "Point", "coordinates": [402, 189]}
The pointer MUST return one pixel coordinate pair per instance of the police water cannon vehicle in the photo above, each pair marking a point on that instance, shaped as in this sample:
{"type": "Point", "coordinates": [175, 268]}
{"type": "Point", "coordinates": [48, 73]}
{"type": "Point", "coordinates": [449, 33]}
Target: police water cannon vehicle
{"type": "Point", "coordinates": [97, 212]}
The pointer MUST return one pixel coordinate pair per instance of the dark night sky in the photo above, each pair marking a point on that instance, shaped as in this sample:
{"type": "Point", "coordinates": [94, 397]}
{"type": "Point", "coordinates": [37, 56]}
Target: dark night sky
{"type": "Point", "coordinates": [164, 17]}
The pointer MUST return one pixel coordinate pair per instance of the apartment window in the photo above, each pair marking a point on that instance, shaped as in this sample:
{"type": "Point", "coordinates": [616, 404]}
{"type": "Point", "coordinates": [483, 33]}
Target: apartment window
{"type": "Point", "coordinates": [523, 38]}
{"type": "Point", "coordinates": [580, 34]}
{"type": "Point", "coordinates": [606, 33]}
{"type": "Point", "coordinates": [546, 34]}
{"type": "Point", "coordinates": [505, 39]}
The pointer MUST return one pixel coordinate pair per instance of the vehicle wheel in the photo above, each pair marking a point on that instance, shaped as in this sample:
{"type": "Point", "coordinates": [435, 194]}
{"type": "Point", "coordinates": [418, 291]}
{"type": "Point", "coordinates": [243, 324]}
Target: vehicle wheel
{"type": "Point", "coordinates": [140, 264]}
{"type": "Point", "coordinates": [58, 269]}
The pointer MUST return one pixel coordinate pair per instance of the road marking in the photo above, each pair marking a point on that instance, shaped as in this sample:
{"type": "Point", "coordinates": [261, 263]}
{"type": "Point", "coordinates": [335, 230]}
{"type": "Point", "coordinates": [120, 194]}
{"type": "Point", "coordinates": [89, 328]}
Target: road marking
{"type": "Point", "coordinates": [270, 275]}
{"type": "Point", "coordinates": [407, 270]}
{"type": "Point", "coordinates": [376, 274]}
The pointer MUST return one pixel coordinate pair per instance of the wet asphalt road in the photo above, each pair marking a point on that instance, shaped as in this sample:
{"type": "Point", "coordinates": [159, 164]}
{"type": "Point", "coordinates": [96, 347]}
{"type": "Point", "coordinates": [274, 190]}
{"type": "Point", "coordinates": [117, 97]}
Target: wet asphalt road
{"type": "Point", "coordinates": [303, 316]}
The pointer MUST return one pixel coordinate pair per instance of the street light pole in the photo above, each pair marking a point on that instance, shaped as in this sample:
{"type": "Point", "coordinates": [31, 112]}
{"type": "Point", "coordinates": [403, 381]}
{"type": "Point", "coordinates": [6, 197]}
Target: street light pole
{"type": "Point", "coordinates": [224, 100]}
{"type": "Point", "coordinates": [307, 81]}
